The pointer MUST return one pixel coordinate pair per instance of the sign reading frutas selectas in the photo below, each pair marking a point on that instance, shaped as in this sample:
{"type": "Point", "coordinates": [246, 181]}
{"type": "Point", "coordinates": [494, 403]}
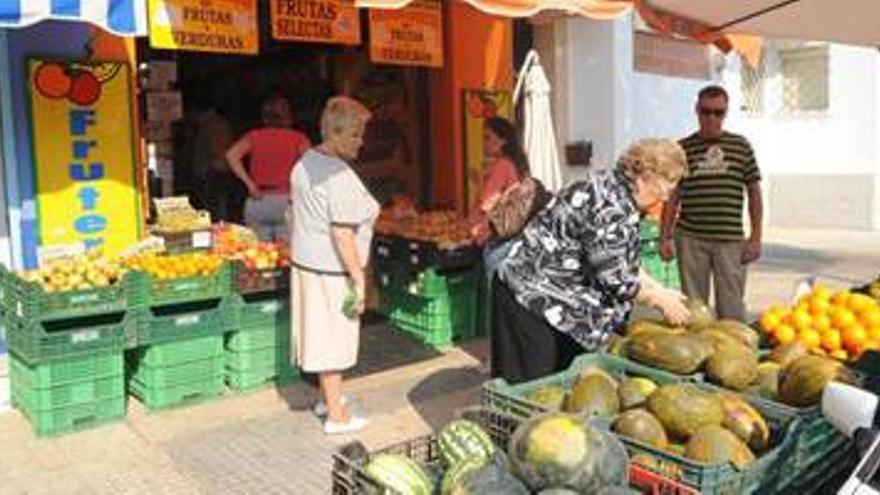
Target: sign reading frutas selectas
{"type": "Point", "coordinates": [219, 26]}
{"type": "Point", "coordinates": [316, 21]}
{"type": "Point", "coordinates": [412, 35]}
{"type": "Point", "coordinates": [82, 133]}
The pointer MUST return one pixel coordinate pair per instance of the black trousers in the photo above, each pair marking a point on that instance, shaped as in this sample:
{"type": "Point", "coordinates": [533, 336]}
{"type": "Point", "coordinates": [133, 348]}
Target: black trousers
{"type": "Point", "coordinates": [524, 345]}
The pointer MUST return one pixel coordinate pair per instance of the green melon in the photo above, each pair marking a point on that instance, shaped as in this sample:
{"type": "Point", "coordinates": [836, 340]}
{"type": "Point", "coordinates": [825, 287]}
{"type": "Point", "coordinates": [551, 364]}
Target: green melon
{"type": "Point", "coordinates": [493, 478]}
{"type": "Point", "coordinates": [561, 450]}
{"type": "Point", "coordinates": [463, 439]}
{"type": "Point", "coordinates": [399, 473]}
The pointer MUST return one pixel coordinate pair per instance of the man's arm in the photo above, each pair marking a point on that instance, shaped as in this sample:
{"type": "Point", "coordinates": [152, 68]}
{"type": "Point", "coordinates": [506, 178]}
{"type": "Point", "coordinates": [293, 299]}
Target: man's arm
{"type": "Point", "coordinates": [752, 248]}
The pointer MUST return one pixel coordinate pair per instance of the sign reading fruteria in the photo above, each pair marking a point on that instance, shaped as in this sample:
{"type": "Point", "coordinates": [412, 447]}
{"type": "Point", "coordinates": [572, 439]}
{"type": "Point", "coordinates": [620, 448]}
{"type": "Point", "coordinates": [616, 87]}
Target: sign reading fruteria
{"type": "Point", "coordinates": [316, 21]}
{"type": "Point", "coordinates": [412, 35]}
{"type": "Point", "coordinates": [219, 26]}
{"type": "Point", "coordinates": [82, 132]}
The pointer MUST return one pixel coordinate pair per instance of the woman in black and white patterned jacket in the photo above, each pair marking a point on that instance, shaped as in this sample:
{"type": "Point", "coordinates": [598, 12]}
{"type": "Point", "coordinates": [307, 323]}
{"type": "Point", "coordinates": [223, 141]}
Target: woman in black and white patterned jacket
{"type": "Point", "coordinates": [571, 277]}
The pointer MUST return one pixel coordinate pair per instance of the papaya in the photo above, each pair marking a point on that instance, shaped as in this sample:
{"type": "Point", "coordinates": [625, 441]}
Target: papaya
{"type": "Point", "coordinates": [767, 383]}
{"type": "Point", "coordinates": [616, 345]}
{"type": "Point", "coordinates": [648, 325]}
{"type": "Point", "coordinates": [551, 397]}
{"type": "Point", "coordinates": [744, 421]}
{"type": "Point", "coordinates": [733, 366]}
{"type": "Point", "coordinates": [801, 382]}
{"type": "Point", "coordinates": [716, 338]}
{"type": "Point", "coordinates": [642, 426]}
{"type": "Point", "coordinates": [634, 392]}
{"type": "Point", "coordinates": [683, 354]}
{"type": "Point", "coordinates": [700, 313]}
{"type": "Point", "coordinates": [737, 329]}
{"type": "Point", "coordinates": [593, 394]}
{"type": "Point", "coordinates": [685, 408]}
{"type": "Point", "coordinates": [714, 444]}
{"type": "Point", "coordinates": [787, 353]}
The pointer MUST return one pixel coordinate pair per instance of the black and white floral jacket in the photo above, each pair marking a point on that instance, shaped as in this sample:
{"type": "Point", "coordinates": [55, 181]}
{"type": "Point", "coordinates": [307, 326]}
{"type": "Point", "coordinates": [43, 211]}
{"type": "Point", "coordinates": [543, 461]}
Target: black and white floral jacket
{"type": "Point", "coordinates": [577, 262]}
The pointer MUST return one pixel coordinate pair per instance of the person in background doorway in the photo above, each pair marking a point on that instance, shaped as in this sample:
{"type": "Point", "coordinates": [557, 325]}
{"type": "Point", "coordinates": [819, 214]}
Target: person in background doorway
{"type": "Point", "coordinates": [273, 150]}
{"type": "Point", "coordinates": [507, 166]}
{"type": "Point", "coordinates": [709, 238]}
{"type": "Point", "coordinates": [333, 226]}
{"type": "Point", "coordinates": [571, 277]}
{"type": "Point", "coordinates": [211, 181]}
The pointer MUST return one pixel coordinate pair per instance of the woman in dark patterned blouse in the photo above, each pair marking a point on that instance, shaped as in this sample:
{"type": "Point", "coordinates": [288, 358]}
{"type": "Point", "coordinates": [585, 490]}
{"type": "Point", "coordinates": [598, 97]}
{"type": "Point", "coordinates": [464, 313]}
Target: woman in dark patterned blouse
{"type": "Point", "coordinates": [571, 277]}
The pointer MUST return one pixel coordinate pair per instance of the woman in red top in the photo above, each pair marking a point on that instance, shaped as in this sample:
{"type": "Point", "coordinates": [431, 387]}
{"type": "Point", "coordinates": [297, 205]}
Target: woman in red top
{"type": "Point", "coordinates": [273, 150]}
{"type": "Point", "coordinates": [508, 165]}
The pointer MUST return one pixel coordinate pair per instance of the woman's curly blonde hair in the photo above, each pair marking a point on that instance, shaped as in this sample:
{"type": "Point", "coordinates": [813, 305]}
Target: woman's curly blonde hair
{"type": "Point", "coordinates": [663, 157]}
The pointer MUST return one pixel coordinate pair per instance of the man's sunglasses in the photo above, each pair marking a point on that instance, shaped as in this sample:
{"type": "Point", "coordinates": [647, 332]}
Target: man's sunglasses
{"type": "Point", "coordinates": [711, 112]}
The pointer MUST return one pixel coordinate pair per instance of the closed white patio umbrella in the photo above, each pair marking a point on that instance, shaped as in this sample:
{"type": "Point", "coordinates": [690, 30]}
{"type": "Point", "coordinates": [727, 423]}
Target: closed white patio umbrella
{"type": "Point", "coordinates": [539, 136]}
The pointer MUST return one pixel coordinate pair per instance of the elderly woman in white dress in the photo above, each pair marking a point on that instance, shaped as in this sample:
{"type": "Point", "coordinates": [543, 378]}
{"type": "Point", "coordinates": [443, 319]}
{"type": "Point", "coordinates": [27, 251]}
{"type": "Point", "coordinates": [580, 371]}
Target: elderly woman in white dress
{"type": "Point", "coordinates": [333, 217]}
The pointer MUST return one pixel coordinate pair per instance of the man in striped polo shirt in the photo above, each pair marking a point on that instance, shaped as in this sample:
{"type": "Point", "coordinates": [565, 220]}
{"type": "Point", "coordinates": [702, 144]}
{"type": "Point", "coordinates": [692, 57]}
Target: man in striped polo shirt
{"type": "Point", "coordinates": [709, 237]}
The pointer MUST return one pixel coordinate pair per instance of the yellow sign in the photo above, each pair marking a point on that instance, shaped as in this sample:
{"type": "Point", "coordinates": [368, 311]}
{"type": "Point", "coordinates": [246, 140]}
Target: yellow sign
{"type": "Point", "coordinates": [412, 35]}
{"type": "Point", "coordinates": [479, 105]}
{"type": "Point", "coordinates": [219, 26]}
{"type": "Point", "coordinates": [82, 132]}
{"type": "Point", "coordinates": [316, 21]}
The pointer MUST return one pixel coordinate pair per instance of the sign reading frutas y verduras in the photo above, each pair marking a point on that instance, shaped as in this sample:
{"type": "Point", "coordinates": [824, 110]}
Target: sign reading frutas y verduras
{"type": "Point", "coordinates": [317, 21]}
{"type": "Point", "coordinates": [82, 133]}
{"type": "Point", "coordinates": [412, 35]}
{"type": "Point", "coordinates": [220, 26]}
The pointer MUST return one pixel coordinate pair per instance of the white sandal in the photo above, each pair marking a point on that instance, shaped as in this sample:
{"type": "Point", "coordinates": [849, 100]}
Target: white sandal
{"type": "Point", "coordinates": [353, 425]}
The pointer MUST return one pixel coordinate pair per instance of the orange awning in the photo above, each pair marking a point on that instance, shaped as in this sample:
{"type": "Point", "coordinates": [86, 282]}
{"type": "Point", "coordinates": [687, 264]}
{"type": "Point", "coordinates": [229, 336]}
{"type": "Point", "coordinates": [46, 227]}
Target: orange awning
{"type": "Point", "coordinates": [594, 9]}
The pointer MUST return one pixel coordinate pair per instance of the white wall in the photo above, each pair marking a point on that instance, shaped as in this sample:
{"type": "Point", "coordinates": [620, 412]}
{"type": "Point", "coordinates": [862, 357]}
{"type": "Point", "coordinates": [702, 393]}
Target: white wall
{"type": "Point", "coordinates": [840, 141]}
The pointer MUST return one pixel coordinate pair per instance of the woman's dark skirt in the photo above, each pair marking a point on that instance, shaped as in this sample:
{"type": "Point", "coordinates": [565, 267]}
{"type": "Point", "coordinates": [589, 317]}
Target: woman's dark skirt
{"type": "Point", "coordinates": [524, 345]}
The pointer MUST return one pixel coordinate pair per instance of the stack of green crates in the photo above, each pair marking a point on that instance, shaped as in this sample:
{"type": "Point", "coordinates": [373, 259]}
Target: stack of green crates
{"type": "Point", "coordinates": [665, 272]}
{"type": "Point", "coordinates": [258, 349]}
{"type": "Point", "coordinates": [69, 394]}
{"type": "Point", "coordinates": [66, 350]}
{"type": "Point", "coordinates": [436, 307]}
{"type": "Point", "coordinates": [176, 373]}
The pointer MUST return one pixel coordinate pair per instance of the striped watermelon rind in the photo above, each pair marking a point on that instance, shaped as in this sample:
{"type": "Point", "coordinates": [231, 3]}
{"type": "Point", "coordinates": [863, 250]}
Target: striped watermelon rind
{"type": "Point", "coordinates": [399, 473]}
{"type": "Point", "coordinates": [462, 439]}
{"type": "Point", "coordinates": [456, 473]}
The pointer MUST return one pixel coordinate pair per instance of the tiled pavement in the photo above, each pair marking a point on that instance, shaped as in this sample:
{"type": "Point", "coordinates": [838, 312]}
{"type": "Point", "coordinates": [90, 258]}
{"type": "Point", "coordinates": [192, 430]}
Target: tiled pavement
{"type": "Point", "coordinates": [267, 442]}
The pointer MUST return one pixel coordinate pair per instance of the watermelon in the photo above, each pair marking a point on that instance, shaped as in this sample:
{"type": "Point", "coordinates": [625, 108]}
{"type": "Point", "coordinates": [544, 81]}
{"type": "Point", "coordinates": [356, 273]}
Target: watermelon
{"type": "Point", "coordinates": [493, 478]}
{"type": "Point", "coordinates": [400, 474]}
{"type": "Point", "coordinates": [455, 474]}
{"type": "Point", "coordinates": [463, 439]}
{"type": "Point", "coordinates": [559, 450]}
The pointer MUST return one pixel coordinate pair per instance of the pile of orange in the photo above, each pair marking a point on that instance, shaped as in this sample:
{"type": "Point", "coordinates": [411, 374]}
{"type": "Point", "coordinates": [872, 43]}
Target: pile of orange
{"type": "Point", "coordinates": [175, 266]}
{"type": "Point", "coordinates": [842, 325]}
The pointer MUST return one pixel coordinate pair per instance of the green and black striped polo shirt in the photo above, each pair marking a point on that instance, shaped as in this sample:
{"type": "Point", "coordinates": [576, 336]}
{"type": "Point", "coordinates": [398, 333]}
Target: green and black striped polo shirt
{"type": "Point", "coordinates": [712, 193]}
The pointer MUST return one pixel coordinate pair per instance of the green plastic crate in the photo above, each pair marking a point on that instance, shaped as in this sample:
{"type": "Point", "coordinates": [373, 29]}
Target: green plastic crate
{"type": "Point", "coordinates": [181, 322]}
{"type": "Point", "coordinates": [764, 475]}
{"type": "Point", "coordinates": [161, 292]}
{"type": "Point", "coordinates": [251, 379]}
{"type": "Point", "coordinates": [29, 301]}
{"type": "Point", "coordinates": [268, 356]}
{"type": "Point", "coordinates": [158, 398]}
{"type": "Point", "coordinates": [63, 372]}
{"type": "Point", "coordinates": [179, 374]}
{"type": "Point", "coordinates": [258, 311]}
{"type": "Point", "coordinates": [437, 309]}
{"type": "Point", "coordinates": [40, 395]}
{"type": "Point", "coordinates": [509, 399]}
{"type": "Point", "coordinates": [183, 351]}
{"type": "Point", "coordinates": [250, 339]}
{"type": "Point", "coordinates": [39, 342]}
{"type": "Point", "coordinates": [71, 418]}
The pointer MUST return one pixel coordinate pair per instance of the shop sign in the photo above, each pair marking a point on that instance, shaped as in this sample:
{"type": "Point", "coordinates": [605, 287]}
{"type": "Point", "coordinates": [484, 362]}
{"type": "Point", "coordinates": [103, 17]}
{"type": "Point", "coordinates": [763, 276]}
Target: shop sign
{"type": "Point", "coordinates": [82, 136]}
{"type": "Point", "coordinates": [479, 105]}
{"type": "Point", "coordinates": [412, 35]}
{"type": "Point", "coordinates": [316, 21]}
{"type": "Point", "coordinates": [219, 26]}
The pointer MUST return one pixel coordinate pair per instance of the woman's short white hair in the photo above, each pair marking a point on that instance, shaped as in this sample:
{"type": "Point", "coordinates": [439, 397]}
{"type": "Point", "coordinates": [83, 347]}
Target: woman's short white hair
{"type": "Point", "coordinates": [663, 157]}
{"type": "Point", "coordinates": [342, 114]}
